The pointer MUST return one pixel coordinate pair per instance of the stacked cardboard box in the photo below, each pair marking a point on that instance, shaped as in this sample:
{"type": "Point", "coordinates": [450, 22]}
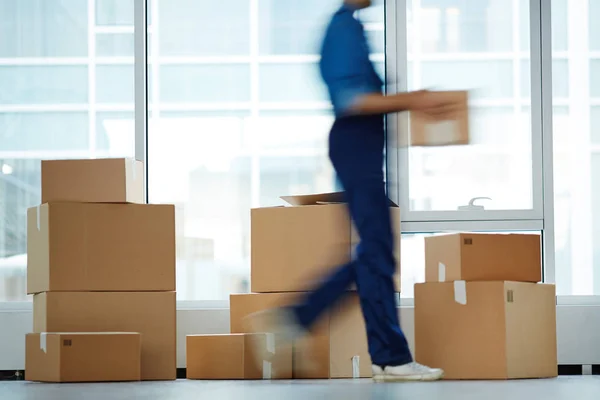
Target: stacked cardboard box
{"type": "Point", "coordinates": [293, 248]}
{"type": "Point", "coordinates": [482, 313]}
{"type": "Point", "coordinates": [235, 356]}
{"type": "Point", "coordinates": [99, 260]}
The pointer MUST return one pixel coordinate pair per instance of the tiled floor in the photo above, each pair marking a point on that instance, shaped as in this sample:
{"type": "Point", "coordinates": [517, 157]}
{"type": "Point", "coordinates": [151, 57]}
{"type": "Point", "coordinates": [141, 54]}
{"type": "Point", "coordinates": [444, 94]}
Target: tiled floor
{"type": "Point", "coordinates": [579, 388]}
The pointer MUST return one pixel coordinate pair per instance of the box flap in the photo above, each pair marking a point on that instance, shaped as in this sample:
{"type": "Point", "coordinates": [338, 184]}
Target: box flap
{"type": "Point", "coordinates": [319, 199]}
{"type": "Point", "coordinates": [314, 199]}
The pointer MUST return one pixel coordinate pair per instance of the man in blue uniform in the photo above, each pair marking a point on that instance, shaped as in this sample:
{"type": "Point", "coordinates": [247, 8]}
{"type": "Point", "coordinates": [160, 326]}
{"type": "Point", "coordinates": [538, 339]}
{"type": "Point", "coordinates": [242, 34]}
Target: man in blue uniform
{"type": "Point", "coordinates": [356, 145]}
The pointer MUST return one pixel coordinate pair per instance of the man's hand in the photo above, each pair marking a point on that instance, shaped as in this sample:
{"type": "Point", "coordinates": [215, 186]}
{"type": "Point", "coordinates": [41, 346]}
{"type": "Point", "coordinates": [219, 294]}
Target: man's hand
{"type": "Point", "coordinates": [433, 105]}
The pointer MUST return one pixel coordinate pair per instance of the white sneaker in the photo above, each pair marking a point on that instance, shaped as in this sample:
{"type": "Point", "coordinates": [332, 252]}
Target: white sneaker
{"type": "Point", "coordinates": [405, 373]}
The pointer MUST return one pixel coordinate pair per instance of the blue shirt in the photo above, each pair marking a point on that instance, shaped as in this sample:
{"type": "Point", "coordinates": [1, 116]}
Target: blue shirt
{"type": "Point", "coordinates": [345, 65]}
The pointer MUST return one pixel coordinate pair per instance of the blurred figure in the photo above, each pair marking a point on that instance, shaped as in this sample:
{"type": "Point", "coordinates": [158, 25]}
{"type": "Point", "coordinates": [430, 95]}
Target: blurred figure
{"type": "Point", "coordinates": [356, 145]}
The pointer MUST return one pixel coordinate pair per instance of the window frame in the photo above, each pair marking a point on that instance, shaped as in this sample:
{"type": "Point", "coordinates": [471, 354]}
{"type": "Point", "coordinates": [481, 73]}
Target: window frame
{"type": "Point", "coordinates": [399, 69]}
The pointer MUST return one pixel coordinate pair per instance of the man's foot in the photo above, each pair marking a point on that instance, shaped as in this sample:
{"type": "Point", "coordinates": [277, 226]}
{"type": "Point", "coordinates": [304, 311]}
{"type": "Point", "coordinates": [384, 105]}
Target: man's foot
{"type": "Point", "coordinates": [406, 373]}
{"type": "Point", "coordinates": [279, 321]}
{"type": "Point", "coordinates": [283, 330]}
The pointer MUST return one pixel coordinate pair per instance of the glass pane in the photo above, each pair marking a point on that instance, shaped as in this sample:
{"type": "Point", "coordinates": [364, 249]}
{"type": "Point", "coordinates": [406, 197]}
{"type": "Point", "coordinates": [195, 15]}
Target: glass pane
{"type": "Point", "coordinates": [216, 160]}
{"type": "Point", "coordinates": [114, 12]}
{"type": "Point", "coordinates": [115, 84]}
{"type": "Point", "coordinates": [595, 125]}
{"type": "Point", "coordinates": [576, 159]}
{"type": "Point", "coordinates": [43, 131]}
{"type": "Point", "coordinates": [46, 113]}
{"type": "Point", "coordinates": [309, 173]}
{"type": "Point", "coordinates": [291, 83]}
{"type": "Point", "coordinates": [115, 45]}
{"type": "Point", "coordinates": [293, 26]}
{"type": "Point", "coordinates": [20, 185]}
{"type": "Point", "coordinates": [115, 133]}
{"type": "Point", "coordinates": [594, 78]}
{"type": "Point", "coordinates": [376, 38]}
{"type": "Point", "coordinates": [303, 130]}
{"type": "Point", "coordinates": [204, 28]}
{"type": "Point", "coordinates": [478, 26]}
{"type": "Point", "coordinates": [593, 16]}
{"type": "Point", "coordinates": [466, 39]}
{"type": "Point", "coordinates": [595, 182]}
{"type": "Point", "coordinates": [204, 83]}
{"type": "Point", "coordinates": [485, 79]}
{"type": "Point", "coordinates": [43, 28]}
{"type": "Point", "coordinates": [48, 84]}
{"type": "Point", "coordinates": [560, 16]}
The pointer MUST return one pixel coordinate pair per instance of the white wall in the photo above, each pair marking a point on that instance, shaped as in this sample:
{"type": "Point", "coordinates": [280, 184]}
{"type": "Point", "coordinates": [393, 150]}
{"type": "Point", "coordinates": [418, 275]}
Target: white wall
{"type": "Point", "coordinates": [578, 327]}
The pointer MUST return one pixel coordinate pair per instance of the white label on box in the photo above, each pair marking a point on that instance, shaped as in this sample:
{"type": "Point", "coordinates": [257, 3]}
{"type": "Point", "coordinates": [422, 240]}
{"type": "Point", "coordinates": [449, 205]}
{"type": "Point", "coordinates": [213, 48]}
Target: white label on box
{"type": "Point", "coordinates": [460, 292]}
{"type": "Point", "coordinates": [356, 367]}
{"type": "Point", "coordinates": [43, 341]}
{"type": "Point", "coordinates": [270, 342]}
{"type": "Point", "coordinates": [38, 221]}
{"type": "Point", "coordinates": [267, 369]}
{"type": "Point", "coordinates": [441, 133]}
{"type": "Point", "coordinates": [441, 272]}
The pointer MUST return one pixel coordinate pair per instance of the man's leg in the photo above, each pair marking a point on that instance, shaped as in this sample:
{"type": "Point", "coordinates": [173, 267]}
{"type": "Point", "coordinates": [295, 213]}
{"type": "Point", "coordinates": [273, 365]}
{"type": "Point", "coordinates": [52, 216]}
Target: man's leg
{"type": "Point", "coordinates": [375, 269]}
{"type": "Point", "coordinates": [333, 289]}
{"type": "Point", "coordinates": [356, 150]}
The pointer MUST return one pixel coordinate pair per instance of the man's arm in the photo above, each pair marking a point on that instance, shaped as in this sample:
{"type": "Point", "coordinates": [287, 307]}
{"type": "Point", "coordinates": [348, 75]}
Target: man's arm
{"type": "Point", "coordinates": [347, 71]}
{"type": "Point", "coordinates": [423, 101]}
{"type": "Point", "coordinates": [377, 103]}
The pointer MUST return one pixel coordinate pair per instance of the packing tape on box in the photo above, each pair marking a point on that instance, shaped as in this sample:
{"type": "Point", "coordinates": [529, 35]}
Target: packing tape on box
{"type": "Point", "coordinates": [441, 272]}
{"type": "Point", "coordinates": [43, 341]}
{"type": "Point", "coordinates": [133, 168]}
{"type": "Point", "coordinates": [270, 342]}
{"type": "Point", "coordinates": [355, 367]}
{"type": "Point", "coordinates": [38, 212]}
{"type": "Point", "coordinates": [267, 369]}
{"type": "Point", "coordinates": [460, 292]}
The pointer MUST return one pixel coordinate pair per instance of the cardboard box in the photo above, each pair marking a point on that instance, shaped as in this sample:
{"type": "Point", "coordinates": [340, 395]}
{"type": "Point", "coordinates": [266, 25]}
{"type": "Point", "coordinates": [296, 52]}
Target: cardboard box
{"type": "Point", "coordinates": [293, 248]}
{"type": "Point", "coordinates": [83, 357]}
{"type": "Point", "coordinates": [110, 180]}
{"type": "Point", "coordinates": [483, 257]}
{"type": "Point", "coordinates": [487, 330]}
{"type": "Point", "coordinates": [336, 347]}
{"type": "Point", "coordinates": [152, 314]}
{"type": "Point", "coordinates": [100, 247]}
{"type": "Point", "coordinates": [236, 356]}
{"type": "Point", "coordinates": [427, 132]}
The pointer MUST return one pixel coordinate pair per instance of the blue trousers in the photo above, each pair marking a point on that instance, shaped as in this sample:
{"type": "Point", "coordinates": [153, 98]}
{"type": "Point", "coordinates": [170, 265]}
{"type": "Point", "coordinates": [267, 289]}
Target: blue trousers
{"type": "Point", "coordinates": [356, 147]}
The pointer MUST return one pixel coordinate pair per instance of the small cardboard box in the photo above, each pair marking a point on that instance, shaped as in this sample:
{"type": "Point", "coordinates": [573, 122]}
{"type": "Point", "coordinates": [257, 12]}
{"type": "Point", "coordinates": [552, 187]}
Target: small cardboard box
{"type": "Point", "coordinates": [487, 330]}
{"type": "Point", "coordinates": [336, 347]}
{"type": "Point", "coordinates": [83, 357]}
{"type": "Point", "coordinates": [109, 180]}
{"type": "Point", "coordinates": [483, 257]}
{"type": "Point", "coordinates": [455, 131]}
{"type": "Point", "coordinates": [292, 248]}
{"type": "Point", "coordinates": [152, 314]}
{"type": "Point", "coordinates": [236, 357]}
{"type": "Point", "coordinates": [100, 247]}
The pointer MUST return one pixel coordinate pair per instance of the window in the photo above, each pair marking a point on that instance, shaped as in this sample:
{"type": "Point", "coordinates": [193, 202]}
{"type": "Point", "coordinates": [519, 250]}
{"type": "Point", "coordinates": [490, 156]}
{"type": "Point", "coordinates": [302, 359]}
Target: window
{"type": "Point", "coordinates": [476, 45]}
{"type": "Point", "coordinates": [576, 149]}
{"type": "Point", "coordinates": [240, 118]}
{"type": "Point", "coordinates": [57, 101]}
